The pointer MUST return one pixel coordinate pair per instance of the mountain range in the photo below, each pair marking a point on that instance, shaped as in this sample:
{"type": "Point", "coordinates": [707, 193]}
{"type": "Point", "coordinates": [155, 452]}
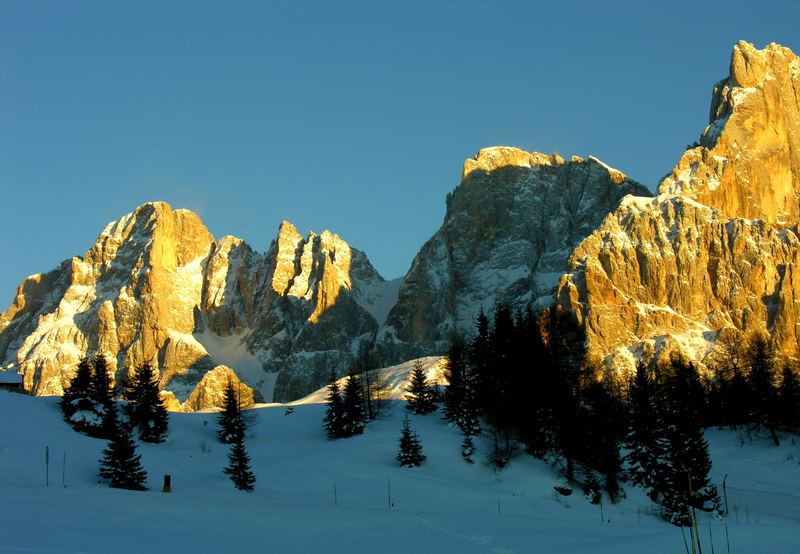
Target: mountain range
{"type": "Point", "coordinates": [714, 254]}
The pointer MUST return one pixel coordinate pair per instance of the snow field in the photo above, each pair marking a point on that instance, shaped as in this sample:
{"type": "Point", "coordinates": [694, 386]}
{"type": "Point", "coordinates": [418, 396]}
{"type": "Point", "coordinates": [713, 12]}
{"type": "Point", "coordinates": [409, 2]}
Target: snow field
{"type": "Point", "coordinates": [445, 505]}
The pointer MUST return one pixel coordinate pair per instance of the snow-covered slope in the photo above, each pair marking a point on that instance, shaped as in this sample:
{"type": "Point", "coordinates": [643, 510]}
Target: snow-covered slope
{"type": "Point", "coordinates": [313, 494]}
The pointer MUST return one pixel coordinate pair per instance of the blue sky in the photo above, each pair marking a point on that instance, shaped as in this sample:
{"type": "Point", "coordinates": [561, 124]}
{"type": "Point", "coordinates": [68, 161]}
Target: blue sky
{"type": "Point", "coordinates": [350, 116]}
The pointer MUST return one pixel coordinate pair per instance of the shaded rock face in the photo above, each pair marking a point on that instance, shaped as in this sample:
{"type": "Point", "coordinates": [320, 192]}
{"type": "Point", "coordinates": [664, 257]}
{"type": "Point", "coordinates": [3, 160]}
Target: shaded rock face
{"type": "Point", "coordinates": [717, 250]}
{"type": "Point", "coordinates": [156, 282]}
{"type": "Point", "coordinates": [507, 234]}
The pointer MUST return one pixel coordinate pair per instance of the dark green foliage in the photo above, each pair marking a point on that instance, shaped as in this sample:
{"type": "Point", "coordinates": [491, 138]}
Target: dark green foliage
{"type": "Point", "coordinates": [238, 468]}
{"type": "Point", "coordinates": [421, 396]}
{"type": "Point", "coordinates": [231, 425]}
{"type": "Point", "coordinates": [644, 432]}
{"type": "Point", "coordinates": [353, 423]}
{"type": "Point", "coordinates": [410, 453]}
{"type": "Point", "coordinates": [334, 421]}
{"type": "Point", "coordinates": [147, 413]}
{"type": "Point", "coordinates": [76, 397]}
{"type": "Point", "coordinates": [102, 396]}
{"type": "Point", "coordinates": [688, 463]}
{"type": "Point", "coordinates": [788, 409]}
{"type": "Point", "coordinates": [762, 378]}
{"type": "Point", "coordinates": [88, 404]}
{"type": "Point", "coordinates": [120, 464]}
{"type": "Point", "coordinates": [467, 449]}
{"type": "Point", "coordinates": [455, 373]}
{"type": "Point", "coordinates": [591, 488]}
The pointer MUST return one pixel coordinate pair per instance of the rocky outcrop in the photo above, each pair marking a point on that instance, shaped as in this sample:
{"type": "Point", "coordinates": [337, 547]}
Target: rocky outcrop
{"type": "Point", "coordinates": [210, 391]}
{"type": "Point", "coordinates": [717, 250]}
{"type": "Point", "coordinates": [156, 287]}
{"type": "Point", "coordinates": [748, 161]}
{"type": "Point", "coordinates": [507, 234]}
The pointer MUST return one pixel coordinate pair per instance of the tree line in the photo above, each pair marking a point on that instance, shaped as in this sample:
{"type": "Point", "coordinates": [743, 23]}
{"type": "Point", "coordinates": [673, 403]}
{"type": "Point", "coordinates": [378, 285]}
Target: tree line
{"type": "Point", "coordinates": [88, 405]}
{"type": "Point", "coordinates": [526, 383]}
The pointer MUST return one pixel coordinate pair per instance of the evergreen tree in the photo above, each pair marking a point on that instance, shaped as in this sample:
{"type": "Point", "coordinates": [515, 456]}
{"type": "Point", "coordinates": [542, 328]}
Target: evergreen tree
{"type": "Point", "coordinates": [353, 407]}
{"type": "Point", "coordinates": [467, 449]}
{"type": "Point", "coordinates": [231, 425]}
{"type": "Point", "coordinates": [455, 374]}
{"type": "Point", "coordinates": [410, 453]}
{"type": "Point", "coordinates": [238, 468]}
{"type": "Point", "coordinates": [102, 397]}
{"type": "Point", "coordinates": [642, 434]}
{"type": "Point", "coordinates": [788, 410]}
{"type": "Point", "coordinates": [76, 397]}
{"type": "Point", "coordinates": [120, 464]}
{"type": "Point", "coordinates": [421, 396]}
{"type": "Point", "coordinates": [147, 411]}
{"type": "Point", "coordinates": [761, 359]}
{"type": "Point", "coordinates": [334, 421]}
{"type": "Point", "coordinates": [689, 463]}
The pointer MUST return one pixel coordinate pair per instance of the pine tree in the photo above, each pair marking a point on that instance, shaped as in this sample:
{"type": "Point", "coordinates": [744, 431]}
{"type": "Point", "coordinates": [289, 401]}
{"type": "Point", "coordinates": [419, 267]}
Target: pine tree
{"type": "Point", "coordinates": [101, 395]}
{"type": "Point", "coordinates": [230, 420]}
{"type": "Point", "coordinates": [788, 409]}
{"type": "Point", "coordinates": [410, 453]}
{"type": "Point", "coordinates": [120, 463]}
{"type": "Point", "coordinates": [468, 449]}
{"type": "Point", "coordinates": [687, 481]}
{"type": "Point", "coordinates": [455, 375]}
{"type": "Point", "coordinates": [353, 407]}
{"type": "Point", "coordinates": [761, 359]}
{"type": "Point", "coordinates": [76, 397]}
{"type": "Point", "coordinates": [147, 411]}
{"type": "Point", "coordinates": [334, 421]}
{"type": "Point", "coordinates": [420, 395]}
{"type": "Point", "coordinates": [642, 435]}
{"type": "Point", "coordinates": [239, 466]}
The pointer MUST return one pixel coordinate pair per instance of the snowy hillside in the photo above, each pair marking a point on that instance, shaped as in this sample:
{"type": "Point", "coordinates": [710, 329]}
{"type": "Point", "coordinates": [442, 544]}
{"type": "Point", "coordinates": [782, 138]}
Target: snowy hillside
{"type": "Point", "coordinates": [313, 494]}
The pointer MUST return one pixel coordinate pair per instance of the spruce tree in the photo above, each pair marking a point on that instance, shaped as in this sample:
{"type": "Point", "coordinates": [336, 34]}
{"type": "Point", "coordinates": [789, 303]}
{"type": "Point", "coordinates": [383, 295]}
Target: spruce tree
{"type": "Point", "coordinates": [420, 395]}
{"type": "Point", "coordinates": [788, 410]}
{"type": "Point", "coordinates": [147, 412]}
{"type": "Point", "coordinates": [642, 435]}
{"type": "Point", "coordinates": [353, 407]}
{"type": "Point", "coordinates": [102, 397]}
{"type": "Point", "coordinates": [120, 464]}
{"type": "Point", "coordinates": [468, 449]}
{"type": "Point", "coordinates": [231, 425]}
{"type": "Point", "coordinates": [238, 468]}
{"type": "Point", "coordinates": [687, 482]}
{"type": "Point", "coordinates": [455, 375]}
{"type": "Point", "coordinates": [76, 397]}
{"type": "Point", "coordinates": [410, 453]}
{"type": "Point", "coordinates": [334, 421]}
{"type": "Point", "coordinates": [762, 378]}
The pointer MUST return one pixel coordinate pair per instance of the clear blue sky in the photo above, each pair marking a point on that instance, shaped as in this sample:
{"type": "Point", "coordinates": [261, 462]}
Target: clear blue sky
{"type": "Point", "coordinates": [349, 116]}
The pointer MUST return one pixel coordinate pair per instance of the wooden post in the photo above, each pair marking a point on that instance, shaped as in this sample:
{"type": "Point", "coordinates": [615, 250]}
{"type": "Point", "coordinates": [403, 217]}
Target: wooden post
{"type": "Point", "coordinates": [167, 483]}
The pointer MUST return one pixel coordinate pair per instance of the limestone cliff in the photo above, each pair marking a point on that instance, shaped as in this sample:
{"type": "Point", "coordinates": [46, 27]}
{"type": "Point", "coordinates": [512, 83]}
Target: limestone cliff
{"type": "Point", "coordinates": [157, 287]}
{"type": "Point", "coordinates": [718, 248]}
{"type": "Point", "coordinates": [507, 234]}
{"type": "Point", "coordinates": [748, 161]}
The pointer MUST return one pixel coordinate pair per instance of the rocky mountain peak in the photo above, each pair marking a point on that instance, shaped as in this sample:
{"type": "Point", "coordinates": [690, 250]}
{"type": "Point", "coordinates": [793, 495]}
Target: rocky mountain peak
{"type": "Point", "coordinates": [716, 253]}
{"type": "Point", "coordinates": [747, 163]}
{"type": "Point", "coordinates": [507, 233]}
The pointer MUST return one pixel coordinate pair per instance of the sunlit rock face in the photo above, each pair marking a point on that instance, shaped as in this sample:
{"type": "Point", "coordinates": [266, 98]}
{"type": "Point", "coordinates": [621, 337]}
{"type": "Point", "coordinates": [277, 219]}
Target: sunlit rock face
{"type": "Point", "coordinates": [717, 250]}
{"type": "Point", "coordinates": [747, 164]}
{"type": "Point", "coordinates": [156, 287]}
{"type": "Point", "coordinates": [508, 231]}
